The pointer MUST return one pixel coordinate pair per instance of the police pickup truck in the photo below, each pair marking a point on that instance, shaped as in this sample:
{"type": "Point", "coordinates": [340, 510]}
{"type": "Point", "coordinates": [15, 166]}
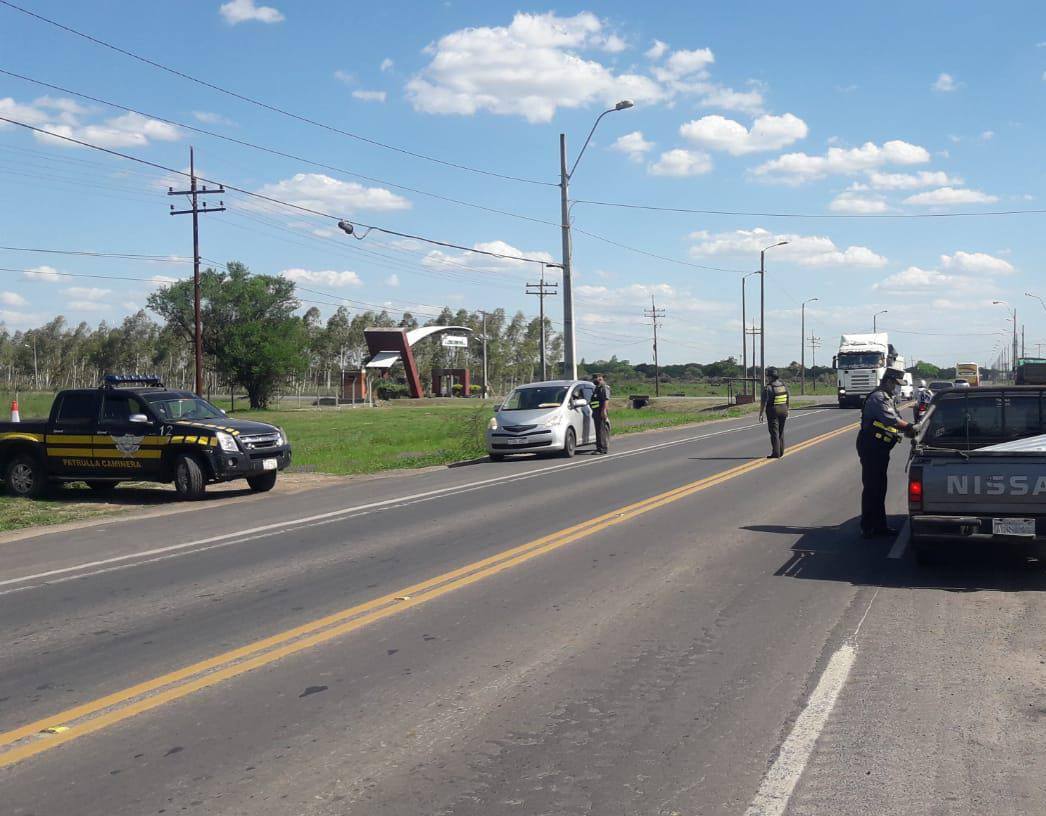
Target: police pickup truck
{"type": "Point", "coordinates": [978, 469]}
{"type": "Point", "coordinates": [133, 428]}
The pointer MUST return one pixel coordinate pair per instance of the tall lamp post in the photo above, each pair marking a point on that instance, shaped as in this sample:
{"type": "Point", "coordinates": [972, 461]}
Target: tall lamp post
{"type": "Point", "coordinates": [1013, 359]}
{"type": "Point", "coordinates": [875, 320]}
{"type": "Point", "coordinates": [569, 344]}
{"type": "Point", "coordinates": [762, 310]}
{"type": "Point", "coordinates": [802, 347]}
{"type": "Point", "coordinates": [744, 336]}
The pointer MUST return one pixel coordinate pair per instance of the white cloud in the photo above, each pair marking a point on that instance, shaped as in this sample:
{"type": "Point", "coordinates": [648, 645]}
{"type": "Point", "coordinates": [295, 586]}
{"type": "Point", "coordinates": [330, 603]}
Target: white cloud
{"type": "Point", "coordinates": [987, 135]}
{"type": "Point", "coordinates": [88, 305]}
{"type": "Point", "coordinates": [945, 84]}
{"type": "Point", "coordinates": [387, 64]}
{"type": "Point", "coordinates": [327, 277]}
{"type": "Point", "coordinates": [242, 11]}
{"type": "Point", "coordinates": [529, 68]}
{"type": "Point", "coordinates": [209, 118]}
{"type": "Point", "coordinates": [946, 196]}
{"type": "Point", "coordinates": [681, 163]}
{"type": "Point", "coordinates": [42, 273]}
{"type": "Point", "coordinates": [622, 301]}
{"type": "Point", "coordinates": [976, 263]}
{"type": "Point", "coordinates": [633, 145]}
{"type": "Point", "coordinates": [370, 96]}
{"type": "Point", "coordinates": [321, 192]}
{"type": "Point", "coordinates": [345, 77]}
{"type": "Point", "coordinates": [856, 204]}
{"type": "Point", "coordinates": [911, 181]}
{"type": "Point", "coordinates": [163, 280]}
{"type": "Point", "coordinates": [392, 280]}
{"type": "Point", "coordinates": [656, 51]}
{"type": "Point", "coordinates": [484, 263]}
{"type": "Point", "coordinates": [614, 44]}
{"type": "Point", "coordinates": [717, 96]}
{"type": "Point", "coordinates": [797, 168]}
{"type": "Point", "coordinates": [64, 117]}
{"type": "Point", "coordinates": [767, 133]}
{"type": "Point", "coordinates": [85, 293]}
{"type": "Point", "coordinates": [915, 280]}
{"type": "Point", "coordinates": [806, 250]}
{"type": "Point", "coordinates": [12, 299]}
{"type": "Point", "coordinates": [686, 65]}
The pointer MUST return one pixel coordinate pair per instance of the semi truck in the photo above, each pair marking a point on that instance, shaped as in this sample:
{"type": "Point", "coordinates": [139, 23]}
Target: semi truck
{"type": "Point", "coordinates": [860, 365]}
{"type": "Point", "coordinates": [1031, 371]}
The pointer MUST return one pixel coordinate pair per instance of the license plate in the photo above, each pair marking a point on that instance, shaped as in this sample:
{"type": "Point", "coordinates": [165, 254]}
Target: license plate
{"type": "Point", "coordinates": [1014, 527]}
{"type": "Point", "coordinates": [517, 441]}
{"type": "Point", "coordinates": [268, 464]}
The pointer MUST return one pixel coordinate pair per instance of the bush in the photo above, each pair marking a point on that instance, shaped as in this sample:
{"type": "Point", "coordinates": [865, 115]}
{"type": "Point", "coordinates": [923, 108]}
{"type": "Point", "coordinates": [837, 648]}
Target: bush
{"type": "Point", "coordinates": [390, 390]}
{"type": "Point", "coordinates": [456, 389]}
{"type": "Point", "coordinates": [474, 389]}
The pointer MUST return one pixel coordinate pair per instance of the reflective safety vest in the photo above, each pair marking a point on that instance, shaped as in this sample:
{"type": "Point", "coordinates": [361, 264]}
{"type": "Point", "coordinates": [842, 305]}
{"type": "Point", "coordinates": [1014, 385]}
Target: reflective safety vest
{"type": "Point", "coordinates": [778, 399]}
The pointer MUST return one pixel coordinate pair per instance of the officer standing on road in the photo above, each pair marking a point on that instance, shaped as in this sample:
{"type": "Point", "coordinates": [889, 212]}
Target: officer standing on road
{"type": "Point", "coordinates": [775, 407]}
{"type": "Point", "coordinates": [601, 413]}
{"type": "Point", "coordinates": [881, 429]}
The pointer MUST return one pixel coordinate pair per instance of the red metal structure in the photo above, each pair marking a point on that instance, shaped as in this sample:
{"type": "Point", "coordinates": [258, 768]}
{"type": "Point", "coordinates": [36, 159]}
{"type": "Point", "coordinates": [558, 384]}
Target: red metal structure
{"type": "Point", "coordinates": [457, 375]}
{"type": "Point", "coordinates": [390, 346]}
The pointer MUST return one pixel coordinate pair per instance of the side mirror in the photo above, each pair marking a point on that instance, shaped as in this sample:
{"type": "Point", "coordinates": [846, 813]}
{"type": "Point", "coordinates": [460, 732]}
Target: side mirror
{"type": "Point", "coordinates": [497, 408]}
{"type": "Point", "coordinates": [223, 411]}
{"type": "Point", "coordinates": [578, 403]}
{"type": "Point", "coordinates": [138, 418]}
{"type": "Point", "coordinates": [835, 360]}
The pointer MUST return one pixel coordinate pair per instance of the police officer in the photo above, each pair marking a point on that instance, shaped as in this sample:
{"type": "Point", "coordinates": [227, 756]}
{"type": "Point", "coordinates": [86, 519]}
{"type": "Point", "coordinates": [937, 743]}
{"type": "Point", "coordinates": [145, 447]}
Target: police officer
{"type": "Point", "coordinates": [775, 407]}
{"type": "Point", "coordinates": [881, 429]}
{"type": "Point", "coordinates": [601, 413]}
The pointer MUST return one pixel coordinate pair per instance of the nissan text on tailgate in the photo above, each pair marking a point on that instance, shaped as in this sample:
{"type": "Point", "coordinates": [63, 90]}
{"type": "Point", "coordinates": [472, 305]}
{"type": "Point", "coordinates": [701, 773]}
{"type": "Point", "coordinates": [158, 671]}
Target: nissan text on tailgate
{"type": "Point", "coordinates": [978, 469]}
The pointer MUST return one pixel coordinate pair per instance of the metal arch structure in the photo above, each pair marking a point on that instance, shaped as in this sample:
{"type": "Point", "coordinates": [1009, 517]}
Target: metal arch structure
{"type": "Point", "coordinates": [390, 346]}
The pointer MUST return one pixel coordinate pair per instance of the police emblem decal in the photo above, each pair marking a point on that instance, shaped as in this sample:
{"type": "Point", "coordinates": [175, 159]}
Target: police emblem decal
{"type": "Point", "coordinates": [127, 444]}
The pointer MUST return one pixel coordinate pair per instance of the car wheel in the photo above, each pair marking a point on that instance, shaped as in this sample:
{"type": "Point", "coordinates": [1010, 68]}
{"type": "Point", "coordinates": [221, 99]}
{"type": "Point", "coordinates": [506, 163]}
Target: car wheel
{"type": "Point", "coordinates": [102, 488]}
{"type": "Point", "coordinates": [262, 483]}
{"type": "Point", "coordinates": [25, 476]}
{"type": "Point", "coordinates": [569, 443]}
{"type": "Point", "coordinates": [188, 478]}
{"type": "Point", "coordinates": [496, 457]}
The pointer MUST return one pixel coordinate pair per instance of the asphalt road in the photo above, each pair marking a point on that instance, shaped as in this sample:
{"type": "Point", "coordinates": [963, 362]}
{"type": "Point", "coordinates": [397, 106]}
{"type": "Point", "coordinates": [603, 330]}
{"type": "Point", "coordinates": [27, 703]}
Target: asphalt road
{"type": "Point", "coordinates": [681, 627]}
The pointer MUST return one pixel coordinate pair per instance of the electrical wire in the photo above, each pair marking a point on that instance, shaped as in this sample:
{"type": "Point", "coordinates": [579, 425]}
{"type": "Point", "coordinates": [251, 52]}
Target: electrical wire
{"type": "Point", "coordinates": [655, 255]}
{"type": "Point", "coordinates": [273, 108]}
{"type": "Point", "coordinates": [84, 253]}
{"type": "Point", "coordinates": [747, 214]}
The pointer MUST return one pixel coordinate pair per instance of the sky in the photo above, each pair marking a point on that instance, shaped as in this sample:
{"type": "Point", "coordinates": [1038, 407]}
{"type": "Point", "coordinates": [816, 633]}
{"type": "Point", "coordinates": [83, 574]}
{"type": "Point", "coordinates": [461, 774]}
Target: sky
{"type": "Point", "coordinates": [775, 124]}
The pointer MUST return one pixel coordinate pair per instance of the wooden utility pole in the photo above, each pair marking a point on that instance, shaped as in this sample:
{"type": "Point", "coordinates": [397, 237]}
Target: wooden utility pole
{"type": "Point", "coordinates": [542, 290]}
{"type": "Point", "coordinates": [654, 314]}
{"type": "Point", "coordinates": [195, 211]}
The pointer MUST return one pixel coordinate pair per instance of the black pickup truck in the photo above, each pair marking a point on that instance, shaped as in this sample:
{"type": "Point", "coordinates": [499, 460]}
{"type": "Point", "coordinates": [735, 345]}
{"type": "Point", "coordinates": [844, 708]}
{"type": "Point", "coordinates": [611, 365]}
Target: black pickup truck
{"type": "Point", "coordinates": [135, 429]}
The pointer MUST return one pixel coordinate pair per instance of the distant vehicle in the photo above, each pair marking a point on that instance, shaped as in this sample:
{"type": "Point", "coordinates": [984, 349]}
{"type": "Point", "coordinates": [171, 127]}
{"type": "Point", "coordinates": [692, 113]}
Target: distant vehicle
{"type": "Point", "coordinates": [1030, 371]}
{"type": "Point", "coordinates": [553, 416]}
{"type": "Point", "coordinates": [906, 391]}
{"type": "Point", "coordinates": [135, 429]}
{"type": "Point", "coordinates": [976, 472]}
{"type": "Point", "coordinates": [960, 383]}
{"type": "Point", "coordinates": [860, 365]}
{"type": "Point", "coordinates": [971, 372]}
{"type": "Point", "coordinates": [937, 386]}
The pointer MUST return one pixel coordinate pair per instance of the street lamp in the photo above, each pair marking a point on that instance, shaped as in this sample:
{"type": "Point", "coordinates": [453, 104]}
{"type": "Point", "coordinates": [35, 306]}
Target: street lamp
{"type": "Point", "coordinates": [744, 335]}
{"type": "Point", "coordinates": [1013, 359]}
{"type": "Point", "coordinates": [569, 344]}
{"type": "Point", "coordinates": [875, 320]}
{"type": "Point", "coordinates": [762, 309]}
{"type": "Point", "coordinates": [802, 346]}
{"type": "Point", "coordinates": [1043, 302]}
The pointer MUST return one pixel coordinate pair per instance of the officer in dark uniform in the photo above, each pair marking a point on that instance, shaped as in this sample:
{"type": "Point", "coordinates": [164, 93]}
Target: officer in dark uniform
{"type": "Point", "coordinates": [881, 429]}
{"type": "Point", "coordinates": [775, 407]}
{"type": "Point", "coordinates": [601, 413]}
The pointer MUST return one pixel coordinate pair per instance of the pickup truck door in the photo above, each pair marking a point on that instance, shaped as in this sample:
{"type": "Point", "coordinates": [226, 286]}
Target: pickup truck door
{"type": "Point", "coordinates": [126, 448]}
{"type": "Point", "coordinates": [70, 438]}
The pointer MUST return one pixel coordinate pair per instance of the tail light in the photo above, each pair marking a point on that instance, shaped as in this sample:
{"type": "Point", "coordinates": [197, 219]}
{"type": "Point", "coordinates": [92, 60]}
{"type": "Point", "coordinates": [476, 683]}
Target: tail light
{"type": "Point", "coordinates": [915, 489]}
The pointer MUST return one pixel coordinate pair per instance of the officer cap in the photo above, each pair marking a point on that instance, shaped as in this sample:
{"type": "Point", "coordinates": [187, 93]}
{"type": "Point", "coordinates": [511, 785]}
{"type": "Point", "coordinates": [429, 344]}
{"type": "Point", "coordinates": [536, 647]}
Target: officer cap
{"type": "Point", "coordinates": [894, 373]}
{"type": "Point", "coordinates": [771, 371]}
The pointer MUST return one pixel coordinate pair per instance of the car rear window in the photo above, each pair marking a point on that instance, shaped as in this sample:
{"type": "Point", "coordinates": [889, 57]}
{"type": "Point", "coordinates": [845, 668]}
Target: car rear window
{"type": "Point", "coordinates": [967, 421]}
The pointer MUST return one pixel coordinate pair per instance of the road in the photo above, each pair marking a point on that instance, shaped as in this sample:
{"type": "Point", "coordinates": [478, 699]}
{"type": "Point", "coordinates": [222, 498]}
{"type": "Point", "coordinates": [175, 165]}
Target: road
{"type": "Point", "coordinates": [681, 627]}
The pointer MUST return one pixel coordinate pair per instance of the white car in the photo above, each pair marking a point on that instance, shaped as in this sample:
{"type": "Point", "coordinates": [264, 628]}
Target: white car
{"type": "Point", "coordinates": [553, 416]}
{"type": "Point", "coordinates": [906, 391]}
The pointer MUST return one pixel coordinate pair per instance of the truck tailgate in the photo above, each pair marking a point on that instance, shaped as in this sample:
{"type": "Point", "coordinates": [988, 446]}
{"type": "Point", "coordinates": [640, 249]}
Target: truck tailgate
{"type": "Point", "coordinates": [993, 484]}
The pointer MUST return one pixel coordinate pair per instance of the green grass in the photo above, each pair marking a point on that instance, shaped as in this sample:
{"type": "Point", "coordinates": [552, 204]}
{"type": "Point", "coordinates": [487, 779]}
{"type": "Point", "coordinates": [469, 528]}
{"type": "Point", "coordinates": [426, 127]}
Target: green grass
{"type": "Point", "coordinates": [31, 405]}
{"type": "Point", "coordinates": [16, 514]}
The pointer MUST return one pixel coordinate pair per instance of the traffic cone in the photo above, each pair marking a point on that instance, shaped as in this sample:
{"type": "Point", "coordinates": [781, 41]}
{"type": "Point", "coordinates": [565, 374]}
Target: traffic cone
{"type": "Point", "coordinates": [15, 416]}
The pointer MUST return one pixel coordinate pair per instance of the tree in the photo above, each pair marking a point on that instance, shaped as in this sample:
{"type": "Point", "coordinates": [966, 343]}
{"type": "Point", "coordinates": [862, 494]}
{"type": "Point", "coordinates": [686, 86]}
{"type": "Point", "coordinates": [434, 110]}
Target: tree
{"type": "Point", "coordinates": [249, 326]}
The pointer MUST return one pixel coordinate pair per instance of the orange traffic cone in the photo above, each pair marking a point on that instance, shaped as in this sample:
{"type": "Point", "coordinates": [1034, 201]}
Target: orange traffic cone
{"type": "Point", "coordinates": [15, 416]}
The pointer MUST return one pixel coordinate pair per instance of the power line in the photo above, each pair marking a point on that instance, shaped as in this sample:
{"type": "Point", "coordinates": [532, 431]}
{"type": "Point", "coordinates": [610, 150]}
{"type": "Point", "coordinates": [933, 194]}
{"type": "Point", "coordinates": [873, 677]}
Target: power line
{"type": "Point", "coordinates": [271, 199]}
{"type": "Point", "coordinates": [689, 211]}
{"type": "Point", "coordinates": [276, 152]}
{"type": "Point", "coordinates": [655, 255]}
{"type": "Point", "coordinates": [269, 107]}
{"type": "Point", "coordinates": [84, 253]}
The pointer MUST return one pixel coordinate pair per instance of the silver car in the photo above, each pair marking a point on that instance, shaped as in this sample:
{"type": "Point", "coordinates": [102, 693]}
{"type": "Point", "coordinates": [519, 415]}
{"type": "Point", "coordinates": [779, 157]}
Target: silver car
{"type": "Point", "coordinates": [543, 417]}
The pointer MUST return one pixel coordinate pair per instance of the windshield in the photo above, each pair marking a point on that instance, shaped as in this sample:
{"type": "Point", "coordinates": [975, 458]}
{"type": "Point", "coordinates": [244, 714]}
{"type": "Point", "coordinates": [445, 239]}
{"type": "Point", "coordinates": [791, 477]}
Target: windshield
{"type": "Point", "coordinates": [173, 407]}
{"type": "Point", "coordinates": [528, 399]}
{"type": "Point", "coordinates": [860, 359]}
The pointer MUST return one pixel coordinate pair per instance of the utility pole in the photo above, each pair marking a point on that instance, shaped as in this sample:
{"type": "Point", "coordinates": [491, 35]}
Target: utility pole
{"type": "Point", "coordinates": [753, 332]}
{"type": "Point", "coordinates": [744, 332]}
{"type": "Point", "coordinates": [195, 211]}
{"type": "Point", "coordinates": [815, 343]}
{"type": "Point", "coordinates": [802, 346]}
{"type": "Point", "coordinates": [484, 328]}
{"type": "Point", "coordinates": [653, 314]}
{"type": "Point", "coordinates": [542, 290]}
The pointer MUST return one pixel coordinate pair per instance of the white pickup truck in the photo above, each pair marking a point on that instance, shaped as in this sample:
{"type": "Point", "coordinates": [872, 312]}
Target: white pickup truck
{"type": "Point", "coordinates": [978, 470]}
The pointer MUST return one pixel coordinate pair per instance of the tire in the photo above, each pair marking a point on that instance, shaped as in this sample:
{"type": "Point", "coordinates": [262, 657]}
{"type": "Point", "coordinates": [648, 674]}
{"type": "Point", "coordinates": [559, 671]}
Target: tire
{"type": "Point", "coordinates": [25, 477]}
{"type": "Point", "coordinates": [102, 488]}
{"type": "Point", "coordinates": [188, 478]}
{"type": "Point", "coordinates": [496, 457]}
{"type": "Point", "coordinates": [569, 444]}
{"type": "Point", "coordinates": [262, 483]}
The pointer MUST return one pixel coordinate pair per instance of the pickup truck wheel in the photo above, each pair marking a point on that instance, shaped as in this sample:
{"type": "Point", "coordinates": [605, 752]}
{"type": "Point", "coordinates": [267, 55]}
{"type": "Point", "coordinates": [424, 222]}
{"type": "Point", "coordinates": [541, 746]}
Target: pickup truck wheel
{"type": "Point", "coordinates": [263, 482]}
{"type": "Point", "coordinates": [188, 478]}
{"type": "Point", "coordinates": [25, 476]}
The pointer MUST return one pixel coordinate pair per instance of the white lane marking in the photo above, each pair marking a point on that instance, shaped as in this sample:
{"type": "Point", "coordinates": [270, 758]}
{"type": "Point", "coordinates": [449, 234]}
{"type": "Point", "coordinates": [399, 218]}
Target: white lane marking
{"type": "Point", "coordinates": [202, 545]}
{"type": "Point", "coordinates": [780, 781]}
{"type": "Point", "coordinates": [904, 538]}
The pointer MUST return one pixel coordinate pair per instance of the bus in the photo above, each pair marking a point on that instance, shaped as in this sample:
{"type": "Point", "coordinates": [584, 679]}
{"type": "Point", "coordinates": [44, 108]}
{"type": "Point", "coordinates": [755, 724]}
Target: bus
{"type": "Point", "coordinates": [970, 372]}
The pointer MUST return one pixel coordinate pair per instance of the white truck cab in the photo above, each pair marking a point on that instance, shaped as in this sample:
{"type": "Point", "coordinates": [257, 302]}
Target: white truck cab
{"type": "Point", "coordinates": [860, 365]}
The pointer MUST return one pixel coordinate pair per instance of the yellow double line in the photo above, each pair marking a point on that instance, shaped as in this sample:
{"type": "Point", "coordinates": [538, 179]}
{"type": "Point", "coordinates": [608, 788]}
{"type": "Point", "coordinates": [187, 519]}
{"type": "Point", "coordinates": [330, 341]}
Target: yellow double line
{"type": "Point", "coordinates": [65, 726]}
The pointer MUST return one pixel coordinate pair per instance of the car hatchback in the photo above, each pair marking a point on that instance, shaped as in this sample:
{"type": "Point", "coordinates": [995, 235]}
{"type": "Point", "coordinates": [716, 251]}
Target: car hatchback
{"type": "Point", "coordinates": [554, 416]}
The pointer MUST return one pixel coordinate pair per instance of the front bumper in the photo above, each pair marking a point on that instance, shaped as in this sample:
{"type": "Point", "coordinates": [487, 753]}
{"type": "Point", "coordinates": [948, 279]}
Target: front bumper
{"type": "Point", "coordinates": [239, 465]}
{"type": "Point", "coordinates": [972, 528]}
{"type": "Point", "coordinates": [532, 441]}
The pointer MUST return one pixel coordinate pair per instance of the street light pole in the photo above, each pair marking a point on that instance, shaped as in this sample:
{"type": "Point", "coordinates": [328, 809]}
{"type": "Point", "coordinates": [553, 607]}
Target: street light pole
{"type": "Point", "coordinates": [875, 320]}
{"type": "Point", "coordinates": [569, 343]}
{"type": "Point", "coordinates": [762, 311]}
{"type": "Point", "coordinates": [802, 347]}
{"type": "Point", "coordinates": [1013, 359]}
{"type": "Point", "coordinates": [744, 334]}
